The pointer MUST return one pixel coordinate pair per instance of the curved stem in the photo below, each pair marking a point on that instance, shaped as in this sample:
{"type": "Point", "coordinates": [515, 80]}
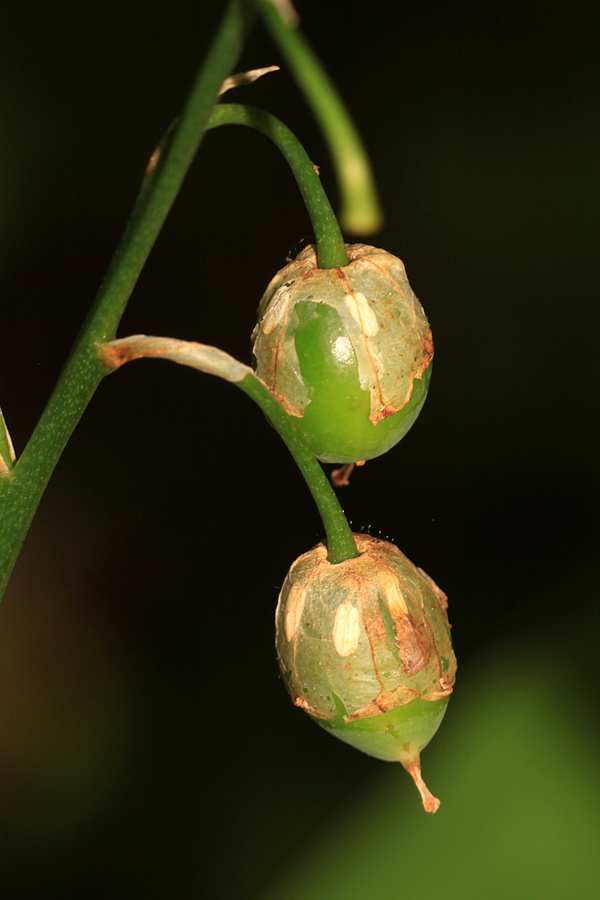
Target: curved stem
{"type": "Point", "coordinates": [361, 211]}
{"type": "Point", "coordinates": [21, 490]}
{"type": "Point", "coordinates": [340, 540]}
{"type": "Point", "coordinates": [331, 252]}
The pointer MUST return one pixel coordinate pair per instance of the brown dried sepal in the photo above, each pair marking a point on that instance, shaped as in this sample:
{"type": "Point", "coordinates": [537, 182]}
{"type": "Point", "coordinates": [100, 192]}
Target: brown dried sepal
{"type": "Point", "coordinates": [412, 765]}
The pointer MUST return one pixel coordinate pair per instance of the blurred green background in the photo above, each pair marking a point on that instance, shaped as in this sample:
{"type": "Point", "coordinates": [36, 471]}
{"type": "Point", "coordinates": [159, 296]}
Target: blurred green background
{"type": "Point", "coordinates": [147, 745]}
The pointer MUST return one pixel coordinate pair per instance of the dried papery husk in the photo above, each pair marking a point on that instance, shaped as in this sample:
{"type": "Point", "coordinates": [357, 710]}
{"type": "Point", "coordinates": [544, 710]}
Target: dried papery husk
{"type": "Point", "coordinates": [385, 326]}
{"type": "Point", "coordinates": [364, 647]}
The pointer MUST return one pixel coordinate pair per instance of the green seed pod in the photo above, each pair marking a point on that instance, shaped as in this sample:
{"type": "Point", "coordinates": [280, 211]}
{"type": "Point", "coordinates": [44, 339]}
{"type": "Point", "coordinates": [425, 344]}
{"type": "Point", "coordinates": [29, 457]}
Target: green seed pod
{"type": "Point", "coordinates": [348, 350]}
{"type": "Point", "coordinates": [364, 647]}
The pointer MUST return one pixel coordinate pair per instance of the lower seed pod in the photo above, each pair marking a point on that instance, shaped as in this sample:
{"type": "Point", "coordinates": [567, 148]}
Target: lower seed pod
{"type": "Point", "coordinates": [347, 350]}
{"type": "Point", "coordinates": [364, 647]}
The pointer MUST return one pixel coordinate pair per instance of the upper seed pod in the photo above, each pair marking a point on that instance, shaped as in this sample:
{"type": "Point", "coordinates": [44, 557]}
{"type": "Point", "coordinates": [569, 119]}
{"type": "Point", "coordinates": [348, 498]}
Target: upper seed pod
{"type": "Point", "coordinates": [347, 349]}
{"type": "Point", "coordinates": [364, 647]}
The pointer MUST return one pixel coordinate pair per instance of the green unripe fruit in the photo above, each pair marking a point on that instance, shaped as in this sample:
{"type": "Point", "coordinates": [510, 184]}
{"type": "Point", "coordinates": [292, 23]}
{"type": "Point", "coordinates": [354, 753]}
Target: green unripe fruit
{"type": "Point", "coordinates": [347, 350]}
{"type": "Point", "coordinates": [364, 647]}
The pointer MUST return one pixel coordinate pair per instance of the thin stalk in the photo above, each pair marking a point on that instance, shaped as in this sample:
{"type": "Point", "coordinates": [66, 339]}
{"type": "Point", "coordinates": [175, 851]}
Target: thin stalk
{"type": "Point", "coordinates": [22, 489]}
{"type": "Point", "coordinates": [331, 252]}
{"type": "Point", "coordinates": [361, 212]}
{"type": "Point", "coordinates": [340, 540]}
{"type": "Point", "coordinates": [213, 361]}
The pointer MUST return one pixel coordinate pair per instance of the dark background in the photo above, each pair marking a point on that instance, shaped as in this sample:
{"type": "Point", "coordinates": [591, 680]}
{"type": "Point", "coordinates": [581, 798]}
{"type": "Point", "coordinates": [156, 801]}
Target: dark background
{"type": "Point", "coordinates": [147, 746]}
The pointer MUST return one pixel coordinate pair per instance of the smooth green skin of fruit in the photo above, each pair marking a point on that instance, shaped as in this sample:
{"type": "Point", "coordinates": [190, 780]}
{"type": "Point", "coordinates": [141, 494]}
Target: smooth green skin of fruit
{"type": "Point", "coordinates": [395, 735]}
{"type": "Point", "coordinates": [336, 421]}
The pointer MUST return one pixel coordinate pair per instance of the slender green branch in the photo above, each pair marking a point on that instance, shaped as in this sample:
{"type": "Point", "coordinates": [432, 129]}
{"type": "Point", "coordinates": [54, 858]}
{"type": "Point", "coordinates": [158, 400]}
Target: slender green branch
{"type": "Point", "coordinates": [340, 541]}
{"type": "Point", "coordinates": [166, 174]}
{"type": "Point", "coordinates": [361, 212]}
{"type": "Point", "coordinates": [22, 489]}
{"type": "Point", "coordinates": [331, 251]}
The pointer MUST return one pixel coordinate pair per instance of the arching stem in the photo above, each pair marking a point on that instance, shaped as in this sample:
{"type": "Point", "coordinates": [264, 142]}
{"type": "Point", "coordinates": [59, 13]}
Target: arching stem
{"type": "Point", "coordinates": [340, 540]}
{"type": "Point", "coordinates": [331, 252]}
{"type": "Point", "coordinates": [361, 212]}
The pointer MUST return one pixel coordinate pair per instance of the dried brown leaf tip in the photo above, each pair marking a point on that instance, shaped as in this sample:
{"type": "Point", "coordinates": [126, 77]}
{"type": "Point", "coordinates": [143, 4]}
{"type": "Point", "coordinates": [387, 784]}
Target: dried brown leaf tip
{"type": "Point", "coordinates": [203, 357]}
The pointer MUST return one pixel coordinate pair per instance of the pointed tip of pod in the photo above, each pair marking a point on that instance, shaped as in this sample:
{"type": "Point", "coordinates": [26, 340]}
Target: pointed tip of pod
{"type": "Point", "coordinates": [413, 767]}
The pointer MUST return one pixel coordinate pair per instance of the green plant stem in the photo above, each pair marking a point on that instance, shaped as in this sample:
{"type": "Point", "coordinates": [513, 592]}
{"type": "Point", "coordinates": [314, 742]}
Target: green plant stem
{"type": "Point", "coordinates": [331, 252]}
{"type": "Point", "coordinates": [361, 212]}
{"type": "Point", "coordinates": [21, 491]}
{"type": "Point", "coordinates": [340, 540]}
{"type": "Point", "coordinates": [213, 361]}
